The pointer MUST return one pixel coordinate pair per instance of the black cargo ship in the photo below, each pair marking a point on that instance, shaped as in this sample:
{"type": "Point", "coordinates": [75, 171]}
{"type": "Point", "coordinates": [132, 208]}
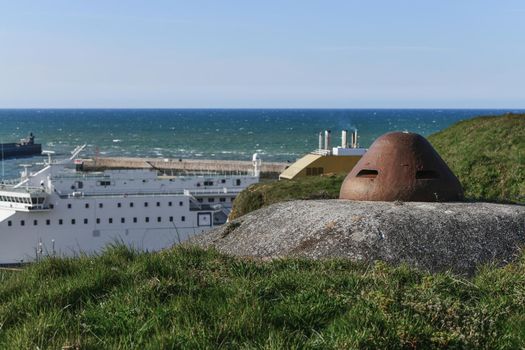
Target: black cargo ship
{"type": "Point", "coordinates": [24, 148]}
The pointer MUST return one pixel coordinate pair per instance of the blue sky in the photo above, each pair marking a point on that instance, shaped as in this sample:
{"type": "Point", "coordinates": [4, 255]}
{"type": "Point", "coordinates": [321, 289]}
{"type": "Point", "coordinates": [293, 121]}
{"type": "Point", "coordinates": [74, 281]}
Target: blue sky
{"type": "Point", "coordinates": [251, 54]}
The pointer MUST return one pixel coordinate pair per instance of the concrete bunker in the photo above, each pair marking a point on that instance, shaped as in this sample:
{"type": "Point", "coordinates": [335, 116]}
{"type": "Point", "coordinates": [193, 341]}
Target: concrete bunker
{"type": "Point", "coordinates": [401, 166]}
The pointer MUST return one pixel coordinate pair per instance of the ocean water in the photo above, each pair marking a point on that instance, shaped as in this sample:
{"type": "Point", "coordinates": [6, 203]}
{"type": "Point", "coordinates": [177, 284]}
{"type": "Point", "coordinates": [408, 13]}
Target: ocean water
{"type": "Point", "coordinates": [277, 135]}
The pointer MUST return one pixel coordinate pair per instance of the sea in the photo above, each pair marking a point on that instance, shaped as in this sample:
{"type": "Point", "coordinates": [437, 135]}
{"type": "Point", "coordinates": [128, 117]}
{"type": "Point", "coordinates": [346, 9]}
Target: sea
{"type": "Point", "coordinates": [277, 135]}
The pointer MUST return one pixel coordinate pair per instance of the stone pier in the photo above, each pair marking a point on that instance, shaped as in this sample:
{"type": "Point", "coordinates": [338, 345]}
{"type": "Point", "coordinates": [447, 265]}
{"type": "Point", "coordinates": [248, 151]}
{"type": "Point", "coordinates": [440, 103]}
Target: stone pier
{"type": "Point", "coordinates": [269, 170]}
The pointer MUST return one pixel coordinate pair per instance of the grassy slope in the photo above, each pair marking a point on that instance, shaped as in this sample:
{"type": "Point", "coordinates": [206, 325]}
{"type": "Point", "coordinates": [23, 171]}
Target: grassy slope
{"type": "Point", "coordinates": [266, 193]}
{"type": "Point", "coordinates": [486, 153]}
{"type": "Point", "coordinates": [488, 156]}
{"type": "Point", "coordinates": [190, 298]}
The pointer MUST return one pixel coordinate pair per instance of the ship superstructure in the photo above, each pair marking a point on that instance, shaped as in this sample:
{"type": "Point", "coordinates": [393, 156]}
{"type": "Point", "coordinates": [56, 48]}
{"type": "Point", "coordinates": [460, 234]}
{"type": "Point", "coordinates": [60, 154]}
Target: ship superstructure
{"type": "Point", "coordinates": [64, 212]}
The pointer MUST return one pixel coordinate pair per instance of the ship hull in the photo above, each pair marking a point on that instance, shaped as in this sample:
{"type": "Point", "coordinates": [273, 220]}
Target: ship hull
{"type": "Point", "coordinates": [13, 150]}
{"type": "Point", "coordinates": [31, 243]}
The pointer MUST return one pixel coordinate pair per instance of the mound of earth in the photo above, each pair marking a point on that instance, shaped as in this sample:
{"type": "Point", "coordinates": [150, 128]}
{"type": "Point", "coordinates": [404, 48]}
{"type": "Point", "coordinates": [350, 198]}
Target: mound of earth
{"type": "Point", "coordinates": [431, 236]}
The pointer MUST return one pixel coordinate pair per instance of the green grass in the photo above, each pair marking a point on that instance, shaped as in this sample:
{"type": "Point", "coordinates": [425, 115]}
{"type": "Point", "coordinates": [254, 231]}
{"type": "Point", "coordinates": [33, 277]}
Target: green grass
{"type": "Point", "coordinates": [487, 154]}
{"type": "Point", "coordinates": [267, 193]}
{"type": "Point", "coordinates": [197, 299]}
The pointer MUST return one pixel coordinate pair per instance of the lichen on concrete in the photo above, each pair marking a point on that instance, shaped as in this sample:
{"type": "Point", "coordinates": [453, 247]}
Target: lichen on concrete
{"type": "Point", "coordinates": [432, 236]}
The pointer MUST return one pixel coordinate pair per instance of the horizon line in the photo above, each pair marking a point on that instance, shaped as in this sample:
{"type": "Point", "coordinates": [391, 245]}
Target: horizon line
{"type": "Point", "coordinates": [261, 108]}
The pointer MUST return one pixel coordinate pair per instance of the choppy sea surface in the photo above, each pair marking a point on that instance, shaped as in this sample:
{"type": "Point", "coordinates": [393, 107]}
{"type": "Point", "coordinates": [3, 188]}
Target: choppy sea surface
{"type": "Point", "coordinates": [276, 134]}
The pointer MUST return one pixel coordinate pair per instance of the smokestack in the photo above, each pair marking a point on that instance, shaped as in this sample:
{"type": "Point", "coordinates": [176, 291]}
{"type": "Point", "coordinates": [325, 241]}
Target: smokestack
{"type": "Point", "coordinates": [320, 140]}
{"type": "Point", "coordinates": [344, 141]}
{"type": "Point", "coordinates": [327, 139]}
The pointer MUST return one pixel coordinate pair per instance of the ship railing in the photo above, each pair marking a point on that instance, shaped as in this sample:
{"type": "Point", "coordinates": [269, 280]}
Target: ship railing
{"type": "Point", "coordinates": [22, 189]}
{"type": "Point", "coordinates": [322, 152]}
{"type": "Point", "coordinates": [218, 173]}
{"type": "Point", "coordinates": [148, 193]}
{"type": "Point", "coordinates": [224, 190]}
{"type": "Point", "coordinates": [81, 176]}
{"type": "Point", "coordinates": [11, 182]}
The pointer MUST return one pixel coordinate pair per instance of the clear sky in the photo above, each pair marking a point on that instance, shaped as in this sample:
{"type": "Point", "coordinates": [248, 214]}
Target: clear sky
{"type": "Point", "coordinates": [250, 54]}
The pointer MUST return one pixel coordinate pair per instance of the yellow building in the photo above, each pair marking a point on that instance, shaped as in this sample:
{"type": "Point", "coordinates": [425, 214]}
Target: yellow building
{"type": "Point", "coordinates": [324, 160]}
{"type": "Point", "coordinates": [316, 164]}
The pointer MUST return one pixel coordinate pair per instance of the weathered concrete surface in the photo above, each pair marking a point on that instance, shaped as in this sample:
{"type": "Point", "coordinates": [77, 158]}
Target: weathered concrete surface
{"type": "Point", "coordinates": [431, 236]}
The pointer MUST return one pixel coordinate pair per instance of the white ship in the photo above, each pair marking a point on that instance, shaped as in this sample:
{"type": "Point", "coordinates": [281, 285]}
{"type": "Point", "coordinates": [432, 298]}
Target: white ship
{"type": "Point", "coordinates": [59, 211]}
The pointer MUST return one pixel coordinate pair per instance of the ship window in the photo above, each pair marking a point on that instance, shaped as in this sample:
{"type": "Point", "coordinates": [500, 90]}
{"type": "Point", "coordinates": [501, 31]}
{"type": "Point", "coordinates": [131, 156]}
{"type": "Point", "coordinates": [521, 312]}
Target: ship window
{"type": "Point", "coordinates": [122, 220]}
{"type": "Point", "coordinates": [48, 222]}
{"type": "Point", "coordinates": [171, 218]}
{"type": "Point", "coordinates": [80, 184]}
{"type": "Point", "coordinates": [35, 222]}
{"type": "Point", "coordinates": [98, 220]}
{"type": "Point", "coordinates": [208, 183]}
{"type": "Point", "coordinates": [41, 200]}
{"type": "Point", "coordinates": [131, 205]}
{"type": "Point", "coordinates": [104, 183]}
{"type": "Point", "coordinates": [170, 204]}
{"type": "Point", "coordinates": [100, 205]}
{"type": "Point", "coordinates": [222, 199]}
{"type": "Point", "coordinates": [51, 206]}
{"type": "Point", "coordinates": [135, 220]}
{"type": "Point", "coordinates": [211, 200]}
{"type": "Point", "coordinates": [238, 182]}
{"type": "Point", "coordinates": [181, 204]}
{"type": "Point", "coordinates": [73, 221]}
{"type": "Point", "coordinates": [69, 205]}
{"type": "Point", "coordinates": [87, 205]}
{"type": "Point", "coordinates": [9, 223]}
{"type": "Point", "coordinates": [145, 204]}
{"type": "Point", "coordinates": [199, 200]}
{"type": "Point", "coordinates": [33, 200]}
{"type": "Point", "coordinates": [119, 205]}
{"type": "Point", "coordinates": [159, 219]}
{"type": "Point", "coordinates": [223, 181]}
{"type": "Point", "coordinates": [110, 220]}
{"type": "Point", "coordinates": [60, 221]}
{"type": "Point", "coordinates": [146, 219]}
{"type": "Point", "coordinates": [158, 204]}
{"type": "Point", "coordinates": [85, 221]}
{"type": "Point", "coordinates": [367, 173]}
{"type": "Point", "coordinates": [22, 223]}
{"type": "Point", "coordinates": [183, 218]}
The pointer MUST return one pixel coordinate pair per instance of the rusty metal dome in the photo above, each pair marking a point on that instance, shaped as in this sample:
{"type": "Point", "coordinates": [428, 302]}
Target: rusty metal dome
{"type": "Point", "coordinates": [401, 166]}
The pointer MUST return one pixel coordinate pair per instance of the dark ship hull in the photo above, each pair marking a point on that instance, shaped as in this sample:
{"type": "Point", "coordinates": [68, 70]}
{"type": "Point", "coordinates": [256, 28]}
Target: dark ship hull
{"type": "Point", "coordinates": [14, 150]}
{"type": "Point", "coordinates": [25, 148]}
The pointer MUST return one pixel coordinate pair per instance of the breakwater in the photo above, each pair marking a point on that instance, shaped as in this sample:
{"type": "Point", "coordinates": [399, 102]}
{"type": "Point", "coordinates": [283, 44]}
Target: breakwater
{"type": "Point", "coordinates": [269, 170]}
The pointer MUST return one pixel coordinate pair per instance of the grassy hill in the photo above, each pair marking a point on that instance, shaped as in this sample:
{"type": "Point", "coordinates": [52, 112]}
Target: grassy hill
{"type": "Point", "coordinates": [486, 153]}
{"type": "Point", "coordinates": [187, 298]}
{"type": "Point", "coordinates": [267, 193]}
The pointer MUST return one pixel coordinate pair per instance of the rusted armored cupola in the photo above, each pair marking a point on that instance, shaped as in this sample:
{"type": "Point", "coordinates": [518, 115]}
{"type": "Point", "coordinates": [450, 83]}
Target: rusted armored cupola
{"type": "Point", "coordinates": [401, 166]}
